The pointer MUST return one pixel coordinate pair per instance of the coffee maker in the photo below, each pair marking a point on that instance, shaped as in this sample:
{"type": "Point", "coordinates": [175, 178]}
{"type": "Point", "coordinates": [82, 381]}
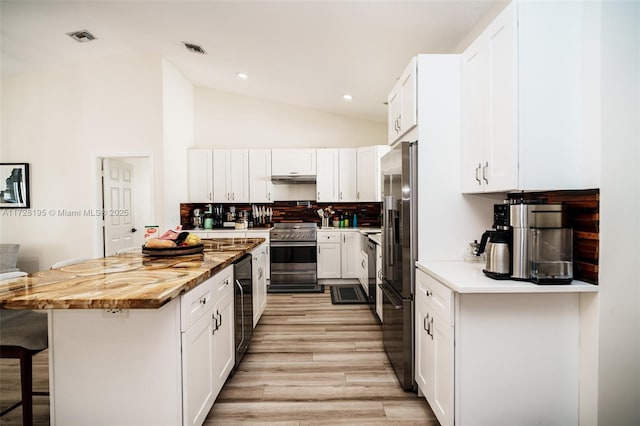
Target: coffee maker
{"type": "Point", "coordinates": [197, 218]}
{"type": "Point", "coordinates": [542, 243]}
{"type": "Point", "coordinates": [497, 244]}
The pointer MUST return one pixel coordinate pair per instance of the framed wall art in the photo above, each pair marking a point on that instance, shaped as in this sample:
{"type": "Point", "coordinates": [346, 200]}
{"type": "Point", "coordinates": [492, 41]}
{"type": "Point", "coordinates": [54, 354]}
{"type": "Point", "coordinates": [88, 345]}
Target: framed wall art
{"type": "Point", "coordinates": [14, 185]}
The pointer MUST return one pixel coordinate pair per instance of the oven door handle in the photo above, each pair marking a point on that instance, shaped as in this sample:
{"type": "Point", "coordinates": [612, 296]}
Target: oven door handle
{"type": "Point", "coordinates": [292, 244]}
{"type": "Point", "coordinates": [396, 302]}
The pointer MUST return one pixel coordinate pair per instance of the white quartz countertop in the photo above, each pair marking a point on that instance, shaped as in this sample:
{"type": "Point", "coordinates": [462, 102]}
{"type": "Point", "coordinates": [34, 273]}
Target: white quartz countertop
{"type": "Point", "coordinates": [464, 277]}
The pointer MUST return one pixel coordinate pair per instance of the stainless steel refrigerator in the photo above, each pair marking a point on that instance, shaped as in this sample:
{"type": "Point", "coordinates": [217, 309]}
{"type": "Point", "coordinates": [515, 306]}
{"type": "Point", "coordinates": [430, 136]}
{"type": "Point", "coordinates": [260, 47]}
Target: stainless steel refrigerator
{"type": "Point", "coordinates": [400, 252]}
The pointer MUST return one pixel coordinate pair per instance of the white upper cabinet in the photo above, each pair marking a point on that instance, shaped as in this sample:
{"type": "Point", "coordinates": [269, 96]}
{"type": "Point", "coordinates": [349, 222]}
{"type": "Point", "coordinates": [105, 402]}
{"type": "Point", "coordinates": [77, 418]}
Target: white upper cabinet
{"type": "Point", "coordinates": [327, 181]}
{"type": "Point", "coordinates": [293, 162]}
{"type": "Point", "coordinates": [524, 89]}
{"type": "Point", "coordinates": [230, 175]}
{"type": "Point", "coordinates": [349, 174]}
{"type": "Point", "coordinates": [347, 191]}
{"type": "Point", "coordinates": [402, 103]}
{"type": "Point", "coordinates": [260, 186]}
{"type": "Point", "coordinates": [368, 173]}
{"type": "Point", "coordinates": [200, 175]}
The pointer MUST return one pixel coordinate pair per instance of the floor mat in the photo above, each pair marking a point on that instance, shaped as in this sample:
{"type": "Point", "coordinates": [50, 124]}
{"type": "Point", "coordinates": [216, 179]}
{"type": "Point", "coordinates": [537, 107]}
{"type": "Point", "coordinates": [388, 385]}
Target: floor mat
{"type": "Point", "coordinates": [348, 295]}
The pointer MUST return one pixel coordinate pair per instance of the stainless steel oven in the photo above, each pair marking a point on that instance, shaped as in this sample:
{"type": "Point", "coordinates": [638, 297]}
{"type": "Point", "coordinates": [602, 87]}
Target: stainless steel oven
{"type": "Point", "coordinates": [294, 258]}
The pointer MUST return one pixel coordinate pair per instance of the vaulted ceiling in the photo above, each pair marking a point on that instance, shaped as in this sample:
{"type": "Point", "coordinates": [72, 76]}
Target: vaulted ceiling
{"type": "Point", "coordinates": [304, 53]}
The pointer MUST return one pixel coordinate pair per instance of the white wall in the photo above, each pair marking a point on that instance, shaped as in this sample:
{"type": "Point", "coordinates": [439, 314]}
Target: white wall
{"type": "Point", "coordinates": [60, 121]}
{"type": "Point", "coordinates": [177, 122]}
{"type": "Point", "coordinates": [619, 331]}
{"type": "Point", "coordinates": [225, 120]}
{"type": "Point", "coordinates": [447, 220]}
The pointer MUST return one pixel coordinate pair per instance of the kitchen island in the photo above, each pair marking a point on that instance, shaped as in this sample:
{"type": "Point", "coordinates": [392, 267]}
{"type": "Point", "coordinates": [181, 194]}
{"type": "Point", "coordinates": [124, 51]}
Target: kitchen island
{"type": "Point", "coordinates": [134, 339]}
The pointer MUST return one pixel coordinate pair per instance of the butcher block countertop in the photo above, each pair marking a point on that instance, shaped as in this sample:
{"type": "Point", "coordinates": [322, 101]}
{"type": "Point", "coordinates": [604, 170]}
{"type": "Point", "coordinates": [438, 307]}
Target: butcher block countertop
{"type": "Point", "coordinates": [125, 281]}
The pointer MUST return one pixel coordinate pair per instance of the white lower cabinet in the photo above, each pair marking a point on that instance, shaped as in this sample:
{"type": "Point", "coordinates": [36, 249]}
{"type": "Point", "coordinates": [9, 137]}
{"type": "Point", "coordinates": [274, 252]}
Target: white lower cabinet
{"type": "Point", "coordinates": [350, 253]}
{"type": "Point", "coordinates": [259, 271]}
{"type": "Point", "coordinates": [208, 348]}
{"type": "Point", "coordinates": [339, 254]}
{"type": "Point", "coordinates": [481, 352]}
{"type": "Point", "coordinates": [434, 340]}
{"type": "Point", "coordinates": [197, 370]}
{"type": "Point", "coordinates": [329, 255]}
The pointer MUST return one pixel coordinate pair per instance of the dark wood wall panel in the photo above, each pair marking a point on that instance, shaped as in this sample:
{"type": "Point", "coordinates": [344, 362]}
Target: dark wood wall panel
{"type": "Point", "coordinates": [583, 209]}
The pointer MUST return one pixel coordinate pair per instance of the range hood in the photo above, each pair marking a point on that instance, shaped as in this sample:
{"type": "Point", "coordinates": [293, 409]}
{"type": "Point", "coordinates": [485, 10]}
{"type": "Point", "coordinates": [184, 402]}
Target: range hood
{"type": "Point", "coordinates": [293, 178]}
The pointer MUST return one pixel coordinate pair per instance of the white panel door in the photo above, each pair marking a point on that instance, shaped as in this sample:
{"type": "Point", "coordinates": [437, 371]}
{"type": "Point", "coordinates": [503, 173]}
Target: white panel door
{"type": "Point", "coordinates": [260, 186]}
{"type": "Point", "coordinates": [350, 252]}
{"type": "Point", "coordinates": [347, 174]}
{"type": "Point", "coordinates": [329, 260]}
{"type": "Point", "coordinates": [221, 184]}
{"type": "Point", "coordinates": [500, 168]}
{"type": "Point", "coordinates": [327, 179]}
{"type": "Point", "coordinates": [200, 175]}
{"type": "Point", "coordinates": [117, 215]}
{"type": "Point", "coordinates": [238, 175]}
{"type": "Point", "coordinates": [197, 370]}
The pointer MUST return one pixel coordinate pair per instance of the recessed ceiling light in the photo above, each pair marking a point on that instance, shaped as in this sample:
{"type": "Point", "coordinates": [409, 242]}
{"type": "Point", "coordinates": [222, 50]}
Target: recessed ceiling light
{"type": "Point", "coordinates": [81, 36]}
{"type": "Point", "coordinates": [242, 75]}
{"type": "Point", "coordinates": [347, 97]}
{"type": "Point", "coordinates": [194, 48]}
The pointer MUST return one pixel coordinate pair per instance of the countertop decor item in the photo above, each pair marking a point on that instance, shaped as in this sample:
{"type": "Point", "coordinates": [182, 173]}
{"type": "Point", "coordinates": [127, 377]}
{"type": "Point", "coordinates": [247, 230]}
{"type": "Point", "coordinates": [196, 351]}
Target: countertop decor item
{"type": "Point", "coordinates": [14, 186]}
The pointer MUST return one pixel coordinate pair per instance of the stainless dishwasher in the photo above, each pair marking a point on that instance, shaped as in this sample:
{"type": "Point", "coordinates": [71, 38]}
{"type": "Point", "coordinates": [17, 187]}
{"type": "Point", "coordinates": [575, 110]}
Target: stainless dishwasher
{"type": "Point", "coordinates": [243, 305]}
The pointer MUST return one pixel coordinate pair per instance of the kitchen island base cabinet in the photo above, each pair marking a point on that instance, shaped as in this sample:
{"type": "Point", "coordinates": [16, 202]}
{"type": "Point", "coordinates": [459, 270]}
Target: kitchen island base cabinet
{"type": "Point", "coordinates": [139, 367]}
{"type": "Point", "coordinates": [497, 358]}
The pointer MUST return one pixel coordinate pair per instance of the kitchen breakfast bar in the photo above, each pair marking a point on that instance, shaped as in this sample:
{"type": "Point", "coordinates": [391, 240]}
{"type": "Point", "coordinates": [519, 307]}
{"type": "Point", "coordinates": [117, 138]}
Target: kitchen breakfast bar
{"type": "Point", "coordinates": [135, 339]}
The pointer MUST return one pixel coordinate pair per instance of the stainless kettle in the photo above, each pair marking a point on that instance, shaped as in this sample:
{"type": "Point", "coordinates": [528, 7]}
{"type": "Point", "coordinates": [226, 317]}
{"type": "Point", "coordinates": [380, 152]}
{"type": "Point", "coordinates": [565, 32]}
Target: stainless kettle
{"type": "Point", "coordinates": [496, 244]}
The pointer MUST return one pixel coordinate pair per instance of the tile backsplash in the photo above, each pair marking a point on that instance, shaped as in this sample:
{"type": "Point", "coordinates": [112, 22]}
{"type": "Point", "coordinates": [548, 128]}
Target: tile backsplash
{"type": "Point", "coordinates": [368, 214]}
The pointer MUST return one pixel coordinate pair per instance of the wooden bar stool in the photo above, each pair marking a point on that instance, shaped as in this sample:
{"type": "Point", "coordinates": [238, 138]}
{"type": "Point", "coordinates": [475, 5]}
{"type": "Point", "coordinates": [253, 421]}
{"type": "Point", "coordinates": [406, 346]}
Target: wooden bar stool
{"type": "Point", "coordinates": [23, 334]}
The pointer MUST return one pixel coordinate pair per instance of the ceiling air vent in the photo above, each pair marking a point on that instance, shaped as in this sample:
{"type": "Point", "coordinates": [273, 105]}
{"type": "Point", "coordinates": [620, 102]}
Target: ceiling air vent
{"type": "Point", "coordinates": [194, 48]}
{"type": "Point", "coordinates": [81, 36]}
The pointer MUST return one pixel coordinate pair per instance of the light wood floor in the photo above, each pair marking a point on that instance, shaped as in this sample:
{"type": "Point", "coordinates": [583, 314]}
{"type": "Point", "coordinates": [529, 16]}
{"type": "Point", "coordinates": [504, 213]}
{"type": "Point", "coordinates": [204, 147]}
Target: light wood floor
{"type": "Point", "coordinates": [309, 363]}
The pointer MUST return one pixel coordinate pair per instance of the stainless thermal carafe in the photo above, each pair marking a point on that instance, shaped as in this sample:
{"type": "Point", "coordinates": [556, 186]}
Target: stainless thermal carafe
{"type": "Point", "coordinates": [496, 245]}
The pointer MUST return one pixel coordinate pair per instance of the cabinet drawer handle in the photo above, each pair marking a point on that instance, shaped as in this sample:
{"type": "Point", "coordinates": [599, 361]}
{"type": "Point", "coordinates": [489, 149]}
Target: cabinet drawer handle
{"type": "Point", "coordinates": [477, 173]}
{"type": "Point", "coordinates": [431, 328]}
{"type": "Point", "coordinates": [424, 323]}
{"type": "Point", "coordinates": [428, 293]}
{"type": "Point", "coordinates": [269, 196]}
{"type": "Point", "coordinates": [203, 301]}
{"type": "Point", "coordinates": [484, 172]}
{"type": "Point", "coordinates": [210, 197]}
{"type": "Point", "coordinates": [216, 326]}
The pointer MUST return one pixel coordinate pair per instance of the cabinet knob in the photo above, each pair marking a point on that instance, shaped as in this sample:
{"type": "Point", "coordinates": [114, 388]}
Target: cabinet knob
{"type": "Point", "coordinates": [203, 301]}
